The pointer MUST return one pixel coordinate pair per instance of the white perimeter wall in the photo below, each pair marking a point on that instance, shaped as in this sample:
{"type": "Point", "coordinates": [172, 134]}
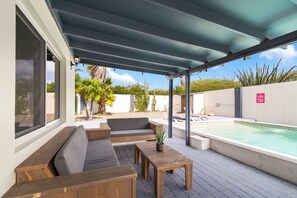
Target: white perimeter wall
{"type": "Point", "coordinates": [280, 103]}
{"type": "Point", "coordinates": [50, 103]}
{"type": "Point", "coordinates": [198, 103]}
{"type": "Point", "coordinates": [161, 105]}
{"type": "Point", "coordinates": [14, 151]}
{"type": "Point", "coordinates": [121, 104]}
{"type": "Point", "coordinates": [220, 102]}
{"type": "Point", "coordinates": [176, 103]}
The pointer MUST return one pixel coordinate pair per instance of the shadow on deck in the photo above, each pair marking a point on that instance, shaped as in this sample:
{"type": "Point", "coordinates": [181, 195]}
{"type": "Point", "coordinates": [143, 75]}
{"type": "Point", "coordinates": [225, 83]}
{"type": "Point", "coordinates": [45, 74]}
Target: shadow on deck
{"type": "Point", "coordinates": [214, 175]}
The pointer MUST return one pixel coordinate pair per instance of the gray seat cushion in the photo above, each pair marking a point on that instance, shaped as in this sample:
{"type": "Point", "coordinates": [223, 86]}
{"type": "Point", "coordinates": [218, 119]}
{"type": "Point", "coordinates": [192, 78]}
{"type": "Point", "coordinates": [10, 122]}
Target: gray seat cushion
{"type": "Point", "coordinates": [71, 157]}
{"type": "Point", "coordinates": [134, 132]}
{"type": "Point", "coordinates": [100, 154]}
{"type": "Point", "coordinates": [128, 123]}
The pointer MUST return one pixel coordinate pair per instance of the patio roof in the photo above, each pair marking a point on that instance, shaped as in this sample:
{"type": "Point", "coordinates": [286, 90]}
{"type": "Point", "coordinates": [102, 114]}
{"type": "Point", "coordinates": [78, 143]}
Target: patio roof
{"type": "Point", "coordinates": [172, 37]}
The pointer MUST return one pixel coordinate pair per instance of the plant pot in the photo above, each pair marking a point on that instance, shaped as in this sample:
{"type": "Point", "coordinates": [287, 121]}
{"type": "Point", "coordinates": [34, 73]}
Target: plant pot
{"type": "Point", "coordinates": [159, 147]}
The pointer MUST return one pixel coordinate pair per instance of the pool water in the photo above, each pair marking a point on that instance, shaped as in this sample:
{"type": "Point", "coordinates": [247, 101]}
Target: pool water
{"type": "Point", "coordinates": [278, 139]}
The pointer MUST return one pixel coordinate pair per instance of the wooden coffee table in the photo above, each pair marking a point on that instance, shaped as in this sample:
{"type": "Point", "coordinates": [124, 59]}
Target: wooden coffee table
{"type": "Point", "coordinates": [167, 160]}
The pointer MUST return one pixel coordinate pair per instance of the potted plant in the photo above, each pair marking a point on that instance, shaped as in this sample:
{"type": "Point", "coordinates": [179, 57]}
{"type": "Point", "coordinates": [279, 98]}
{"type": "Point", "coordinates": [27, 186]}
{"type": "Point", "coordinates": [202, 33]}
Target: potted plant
{"type": "Point", "coordinates": [160, 137]}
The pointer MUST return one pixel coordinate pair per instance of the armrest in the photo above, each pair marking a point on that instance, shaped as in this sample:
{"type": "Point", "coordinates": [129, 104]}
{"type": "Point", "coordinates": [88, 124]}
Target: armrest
{"type": "Point", "coordinates": [85, 184]}
{"type": "Point", "coordinates": [156, 126]}
{"type": "Point", "coordinates": [95, 134]}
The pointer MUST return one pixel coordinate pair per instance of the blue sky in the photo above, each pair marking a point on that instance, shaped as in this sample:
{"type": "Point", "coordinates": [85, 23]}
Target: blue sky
{"type": "Point", "coordinates": [270, 57]}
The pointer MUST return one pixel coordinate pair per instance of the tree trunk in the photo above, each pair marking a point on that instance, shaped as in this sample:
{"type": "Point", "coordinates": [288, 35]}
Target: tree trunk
{"type": "Point", "coordinates": [86, 105]}
{"type": "Point", "coordinates": [101, 107]}
{"type": "Point", "coordinates": [87, 110]}
{"type": "Point", "coordinates": [91, 109]}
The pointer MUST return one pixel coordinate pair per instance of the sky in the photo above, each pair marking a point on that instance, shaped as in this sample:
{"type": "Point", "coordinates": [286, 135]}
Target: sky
{"type": "Point", "coordinates": [270, 57]}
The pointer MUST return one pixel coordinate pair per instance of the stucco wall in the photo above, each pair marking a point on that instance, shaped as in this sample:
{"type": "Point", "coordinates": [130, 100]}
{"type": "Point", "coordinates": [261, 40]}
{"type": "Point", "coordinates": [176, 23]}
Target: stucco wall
{"type": "Point", "coordinates": [50, 103]}
{"type": "Point", "coordinates": [280, 103]}
{"type": "Point", "coordinates": [7, 87]}
{"type": "Point", "coordinates": [121, 104]}
{"type": "Point", "coordinates": [176, 103]}
{"type": "Point", "coordinates": [161, 103]}
{"type": "Point", "coordinates": [220, 102]}
{"type": "Point", "coordinates": [198, 103]}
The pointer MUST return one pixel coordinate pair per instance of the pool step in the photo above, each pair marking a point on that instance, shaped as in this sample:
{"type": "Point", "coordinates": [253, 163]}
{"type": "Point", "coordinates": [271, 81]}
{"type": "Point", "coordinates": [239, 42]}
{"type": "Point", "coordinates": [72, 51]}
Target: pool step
{"type": "Point", "coordinates": [199, 142]}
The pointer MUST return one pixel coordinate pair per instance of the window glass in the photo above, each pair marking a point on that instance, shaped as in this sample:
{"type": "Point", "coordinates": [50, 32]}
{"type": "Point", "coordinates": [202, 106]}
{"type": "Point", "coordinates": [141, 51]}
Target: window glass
{"type": "Point", "coordinates": [30, 83]}
{"type": "Point", "coordinates": [52, 87]}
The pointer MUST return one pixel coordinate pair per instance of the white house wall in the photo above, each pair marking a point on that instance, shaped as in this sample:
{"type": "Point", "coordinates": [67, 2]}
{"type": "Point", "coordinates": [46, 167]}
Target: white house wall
{"type": "Point", "coordinates": [7, 88]}
{"type": "Point", "coordinates": [14, 151]}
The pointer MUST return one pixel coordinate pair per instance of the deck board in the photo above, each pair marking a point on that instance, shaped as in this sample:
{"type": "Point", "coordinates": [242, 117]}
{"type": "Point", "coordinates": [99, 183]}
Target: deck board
{"type": "Point", "coordinates": [214, 175]}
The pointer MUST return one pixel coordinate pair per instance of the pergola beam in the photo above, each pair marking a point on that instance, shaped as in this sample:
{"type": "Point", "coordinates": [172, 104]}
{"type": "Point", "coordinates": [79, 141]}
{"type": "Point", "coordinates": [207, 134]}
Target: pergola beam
{"type": "Point", "coordinates": [98, 16]}
{"type": "Point", "coordinates": [202, 13]}
{"type": "Point", "coordinates": [121, 61]}
{"type": "Point", "coordinates": [128, 44]}
{"type": "Point", "coordinates": [124, 67]}
{"type": "Point", "coordinates": [263, 46]}
{"type": "Point", "coordinates": [125, 54]}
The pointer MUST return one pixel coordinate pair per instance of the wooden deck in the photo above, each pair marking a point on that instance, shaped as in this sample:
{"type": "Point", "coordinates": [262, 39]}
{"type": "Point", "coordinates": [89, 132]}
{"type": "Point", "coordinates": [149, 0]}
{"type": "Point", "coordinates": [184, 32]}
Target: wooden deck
{"type": "Point", "coordinates": [214, 175]}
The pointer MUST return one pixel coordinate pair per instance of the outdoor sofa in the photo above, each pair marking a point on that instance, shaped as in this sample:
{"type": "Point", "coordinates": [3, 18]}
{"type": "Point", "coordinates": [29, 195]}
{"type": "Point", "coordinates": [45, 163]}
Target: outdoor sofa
{"type": "Point", "coordinates": [131, 129]}
{"type": "Point", "coordinates": [74, 163]}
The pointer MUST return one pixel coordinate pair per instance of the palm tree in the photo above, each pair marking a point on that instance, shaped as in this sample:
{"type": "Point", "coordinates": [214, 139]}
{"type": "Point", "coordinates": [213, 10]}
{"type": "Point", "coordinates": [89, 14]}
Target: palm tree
{"type": "Point", "coordinates": [97, 72]}
{"type": "Point", "coordinates": [90, 89]}
{"type": "Point", "coordinates": [106, 96]}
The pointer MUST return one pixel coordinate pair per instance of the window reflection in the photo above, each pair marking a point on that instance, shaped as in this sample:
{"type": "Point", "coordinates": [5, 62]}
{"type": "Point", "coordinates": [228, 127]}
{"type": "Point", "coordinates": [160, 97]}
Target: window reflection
{"type": "Point", "coordinates": [30, 65]}
{"type": "Point", "coordinates": [52, 87]}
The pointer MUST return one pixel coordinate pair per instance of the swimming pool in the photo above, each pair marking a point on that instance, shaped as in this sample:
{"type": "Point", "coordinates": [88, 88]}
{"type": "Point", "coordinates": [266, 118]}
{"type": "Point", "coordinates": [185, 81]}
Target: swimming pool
{"type": "Point", "coordinates": [268, 147]}
{"type": "Point", "coordinates": [275, 138]}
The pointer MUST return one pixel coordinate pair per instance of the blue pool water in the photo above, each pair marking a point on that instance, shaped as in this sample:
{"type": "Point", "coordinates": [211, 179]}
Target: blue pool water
{"type": "Point", "coordinates": [278, 139]}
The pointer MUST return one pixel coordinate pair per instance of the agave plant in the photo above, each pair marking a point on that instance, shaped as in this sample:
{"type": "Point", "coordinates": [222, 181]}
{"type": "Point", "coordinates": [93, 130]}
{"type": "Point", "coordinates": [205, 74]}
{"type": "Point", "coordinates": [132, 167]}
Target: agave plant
{"type": "Point", "coordinates": [160, 137]}
{"type": "Point", "coordinates": [264, 75]}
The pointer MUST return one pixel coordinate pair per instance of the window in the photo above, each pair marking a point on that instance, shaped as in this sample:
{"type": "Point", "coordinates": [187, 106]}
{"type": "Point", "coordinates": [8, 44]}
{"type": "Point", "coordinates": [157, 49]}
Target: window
{"type": "Point", "coordinates": [52, 87]}
{"type": "Point", "coordinates": [30, 77]}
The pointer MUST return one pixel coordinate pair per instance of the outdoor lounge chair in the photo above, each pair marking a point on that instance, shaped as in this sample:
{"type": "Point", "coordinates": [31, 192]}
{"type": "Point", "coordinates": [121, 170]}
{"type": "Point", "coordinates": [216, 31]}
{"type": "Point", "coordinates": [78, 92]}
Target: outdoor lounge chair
{"type": "Point", "coordinates": [200, 116]}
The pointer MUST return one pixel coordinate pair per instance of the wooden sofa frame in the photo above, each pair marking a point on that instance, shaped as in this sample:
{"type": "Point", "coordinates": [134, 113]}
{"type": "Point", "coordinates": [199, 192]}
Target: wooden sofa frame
{"type": "Point", "coordinates": [37, 177]}
{"type": "Point", "coordinates": [153, 125]}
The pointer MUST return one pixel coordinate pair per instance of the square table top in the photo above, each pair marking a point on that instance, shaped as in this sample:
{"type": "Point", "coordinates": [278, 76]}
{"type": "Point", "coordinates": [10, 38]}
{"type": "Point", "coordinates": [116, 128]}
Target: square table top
{"type": "Point", "coordinates": [168, 158]}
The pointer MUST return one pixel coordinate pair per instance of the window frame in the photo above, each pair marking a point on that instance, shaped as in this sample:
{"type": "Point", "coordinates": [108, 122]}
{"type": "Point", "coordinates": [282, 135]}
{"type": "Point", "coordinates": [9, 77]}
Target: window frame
{"type": "Point", "coordinates": [42, 90]}
{"type": "Point", "coordinates": [58, 81]}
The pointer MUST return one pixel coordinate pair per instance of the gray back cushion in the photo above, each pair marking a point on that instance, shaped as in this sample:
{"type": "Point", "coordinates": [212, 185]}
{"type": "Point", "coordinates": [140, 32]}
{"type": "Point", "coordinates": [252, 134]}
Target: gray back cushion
{"type": "Point", "coordinates": [118, 124]}
{"type": "Point", "coordinates": [71, 157]}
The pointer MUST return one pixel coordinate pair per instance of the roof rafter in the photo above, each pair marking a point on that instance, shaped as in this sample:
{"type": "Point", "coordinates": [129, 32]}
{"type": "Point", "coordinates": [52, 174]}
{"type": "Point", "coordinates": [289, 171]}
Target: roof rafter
{"type": "Point", "coordinates": [124, 67]}
{"type": "Point", "coordinates": [131, 25]}
{"type": "Point", "coordinates": [125, 54]}
{"type": "Point", "coordinates": [125, 43]}
{"type": "Point", "coordinates": [201, 13]}
{"type": "Point", "coordinates": [264, 45]}
{"type": "Point", "coordinates": [121, 61]}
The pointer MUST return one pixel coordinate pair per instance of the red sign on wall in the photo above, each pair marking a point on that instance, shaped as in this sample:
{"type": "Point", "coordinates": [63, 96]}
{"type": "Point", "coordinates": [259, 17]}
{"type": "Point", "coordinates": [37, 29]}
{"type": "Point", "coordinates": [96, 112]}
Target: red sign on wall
{"type": "Point", "coordinates": [260, 98]}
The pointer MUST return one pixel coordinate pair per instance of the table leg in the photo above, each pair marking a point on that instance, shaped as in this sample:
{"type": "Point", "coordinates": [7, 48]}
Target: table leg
{"type": "Point", "coordinates": [142, 165]}
{"type": "Point", "coordinates": [188, 176]}
{"type": "Point", "coordinates": [159, 182]}
{"type": "Point", "coordinates": [146, 167]}
{"type": "Point", "coordinates": [136, 155]}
